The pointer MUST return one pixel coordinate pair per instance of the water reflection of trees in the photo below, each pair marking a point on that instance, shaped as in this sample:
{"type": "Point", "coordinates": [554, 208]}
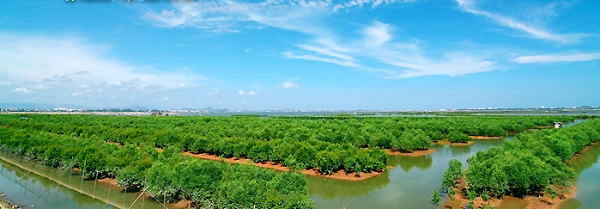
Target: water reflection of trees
{"type": "Point", "coordinates": [48, 191]}
{"type": "Point", "coordinates": [330, 188]}
{"type": "Point", "coordinates": [458, 151]}
{"type": "Point", "coordinates": [408, 163]}
{"type": "Point", "coordinates": [580, 163]}
{"type": "Point", "coordinates": [585, 160]}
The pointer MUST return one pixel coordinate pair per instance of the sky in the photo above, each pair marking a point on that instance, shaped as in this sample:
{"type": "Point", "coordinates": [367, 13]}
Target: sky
{"type": "Point", "coordinates": [304, 55]}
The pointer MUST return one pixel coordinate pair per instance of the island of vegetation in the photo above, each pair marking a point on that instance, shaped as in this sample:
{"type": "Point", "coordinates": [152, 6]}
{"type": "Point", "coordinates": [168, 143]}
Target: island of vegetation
{"type": "Point", "coordinates": [532, 166]}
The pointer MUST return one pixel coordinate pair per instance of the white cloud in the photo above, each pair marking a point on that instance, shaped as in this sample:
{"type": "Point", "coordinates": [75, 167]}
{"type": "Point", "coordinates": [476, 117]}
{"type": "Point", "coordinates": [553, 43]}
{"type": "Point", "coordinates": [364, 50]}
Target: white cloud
{"type": "Point", "coordinates": [249, 93]}
{"type": "Point", "coordinates": [290, 85]}
{"type": "Point", "coordinates": [510, 22]}
{"type": "Point", "coordinates": [224, 15]}
{"type": "Point", "coordinates": [40, 87]}
{"type": "Point", "coordinates": [378, 33]}
{"type": "Point", "coordinates": [212, 93]}
{"type": "Point", "coordinates": [361, 3]}
{"type": "Point", "coordinates": [36, 58]}
{"type": "Point", "coordinates": [374, 50]}
{"type": "Point", "coordinates": [114, 83]}
{"type": "Point", "coordinates": [5, 83]}
{"type": "Point", "coordinates": [391, 59]}
{"type": "Point", "coordinates": [557, 58]}
{"type": "Point", "coordinates": [327, 51]}
{"type": "Point", "coordinates": [52, 65]}
{"type": "Point", "coordinates": [454, 64]}
{"type": "Point", "coordinates": [23, 90]}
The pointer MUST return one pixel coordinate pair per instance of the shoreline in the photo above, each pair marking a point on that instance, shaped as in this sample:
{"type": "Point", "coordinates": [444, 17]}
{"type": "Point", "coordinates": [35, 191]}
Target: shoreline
{"type": "Point", "coordinates": [3, 203]}
{"type": "Point", "coordinates": [486, 137]}
{"type": "Point", "coordinates": [56, 181]}
{"type": "Point", "coordinates": [529, 202]}
{"type": "Point", "coordinates": [446, 142]}
{"type": "Point", "coordinates": [587, 147]}
{"type": "Point", "coordinates": [113, 182]}
{"type": "Point", "coordinates": [417, 153]}
{"type": "Point", "coordinates": [339, 175]}
{"type": "Point", "coordinates": [108, 181]}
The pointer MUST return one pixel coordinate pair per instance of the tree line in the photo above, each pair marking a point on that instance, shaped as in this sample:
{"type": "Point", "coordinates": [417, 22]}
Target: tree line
{"type": "Point", "coordinates": [328, 144]}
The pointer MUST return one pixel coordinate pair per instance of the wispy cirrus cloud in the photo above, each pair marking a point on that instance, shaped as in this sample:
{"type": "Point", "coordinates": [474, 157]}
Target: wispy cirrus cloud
{"type": "Point", "coordinates": [534, 31]}
{"type": "Point", "coordinates": [549, 58]}
{"type": "Point", "coordinates": [372, 50]}
{"type": "Point", "coordinates": [361, 3]}
{"type": "Point", "coordinates": [230, 16]}
{"type": "Point", "coordinates": [393, 59]}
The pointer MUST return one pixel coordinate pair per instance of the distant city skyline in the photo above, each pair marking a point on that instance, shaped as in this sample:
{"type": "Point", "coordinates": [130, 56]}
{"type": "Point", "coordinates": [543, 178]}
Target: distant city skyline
{"type": "Point", "coordinates": [301, 55]}
{"type": "Point", "coordinates": [29, 107]}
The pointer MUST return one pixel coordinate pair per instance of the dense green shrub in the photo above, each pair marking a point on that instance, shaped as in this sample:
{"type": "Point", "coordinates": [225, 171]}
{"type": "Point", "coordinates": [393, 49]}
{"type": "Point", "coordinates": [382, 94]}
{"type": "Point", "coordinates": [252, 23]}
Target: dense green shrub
{"type": "Point", "coordinates": [458, 137]}
{"type": "Point", "coordinates": [168, 175]}
{"type": "Point", "coordinates": [452, 174]}
{"type": "Point", "coordinates": [532, 163]}
{"type": "Point", "coordinates": [292, 141]}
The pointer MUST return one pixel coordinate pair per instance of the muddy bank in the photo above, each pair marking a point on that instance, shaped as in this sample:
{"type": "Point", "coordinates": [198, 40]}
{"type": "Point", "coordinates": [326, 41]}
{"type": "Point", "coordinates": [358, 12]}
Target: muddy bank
{"type": "Point", "coordinates": [410, 154]}
{"type": "Point", "coordinates": [576, 156]}
{"type": "Point", "coordinates": [486, 137]}
{"type": "Point", "coordinates": [341, 174]}
{"type": "Point", "coordinates": [446, 142]}
{"type": "Point", "coordinates": [529, 202]}
{"type": "Point", "coordinates": [5, 204]}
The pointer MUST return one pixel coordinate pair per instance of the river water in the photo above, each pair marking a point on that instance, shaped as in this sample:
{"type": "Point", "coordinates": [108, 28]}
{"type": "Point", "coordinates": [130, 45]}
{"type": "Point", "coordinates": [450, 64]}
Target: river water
{"type": "Point", "coordinates": [408, 185]}
{"type": "Point", "coordinates": [20, 182]}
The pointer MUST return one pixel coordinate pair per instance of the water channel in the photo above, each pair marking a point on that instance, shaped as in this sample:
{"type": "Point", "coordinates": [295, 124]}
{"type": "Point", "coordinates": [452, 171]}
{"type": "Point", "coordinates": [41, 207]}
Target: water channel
{"type": "Point", "coordinates": [54, 188]}
{"type": "Point", "coordinates": [408, 185]}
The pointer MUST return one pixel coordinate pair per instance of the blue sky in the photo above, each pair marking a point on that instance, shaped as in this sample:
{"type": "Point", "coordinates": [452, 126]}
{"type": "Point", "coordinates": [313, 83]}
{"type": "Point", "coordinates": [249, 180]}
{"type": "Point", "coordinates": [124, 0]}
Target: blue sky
{"type": "Point", "coordinates": [307, 55]}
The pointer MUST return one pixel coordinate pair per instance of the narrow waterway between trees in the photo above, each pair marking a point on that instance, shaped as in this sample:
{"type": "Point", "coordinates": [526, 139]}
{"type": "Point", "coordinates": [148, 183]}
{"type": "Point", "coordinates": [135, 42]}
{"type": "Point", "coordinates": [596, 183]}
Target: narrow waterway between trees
{"type": "Point", "coordinates": [54, 188]}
